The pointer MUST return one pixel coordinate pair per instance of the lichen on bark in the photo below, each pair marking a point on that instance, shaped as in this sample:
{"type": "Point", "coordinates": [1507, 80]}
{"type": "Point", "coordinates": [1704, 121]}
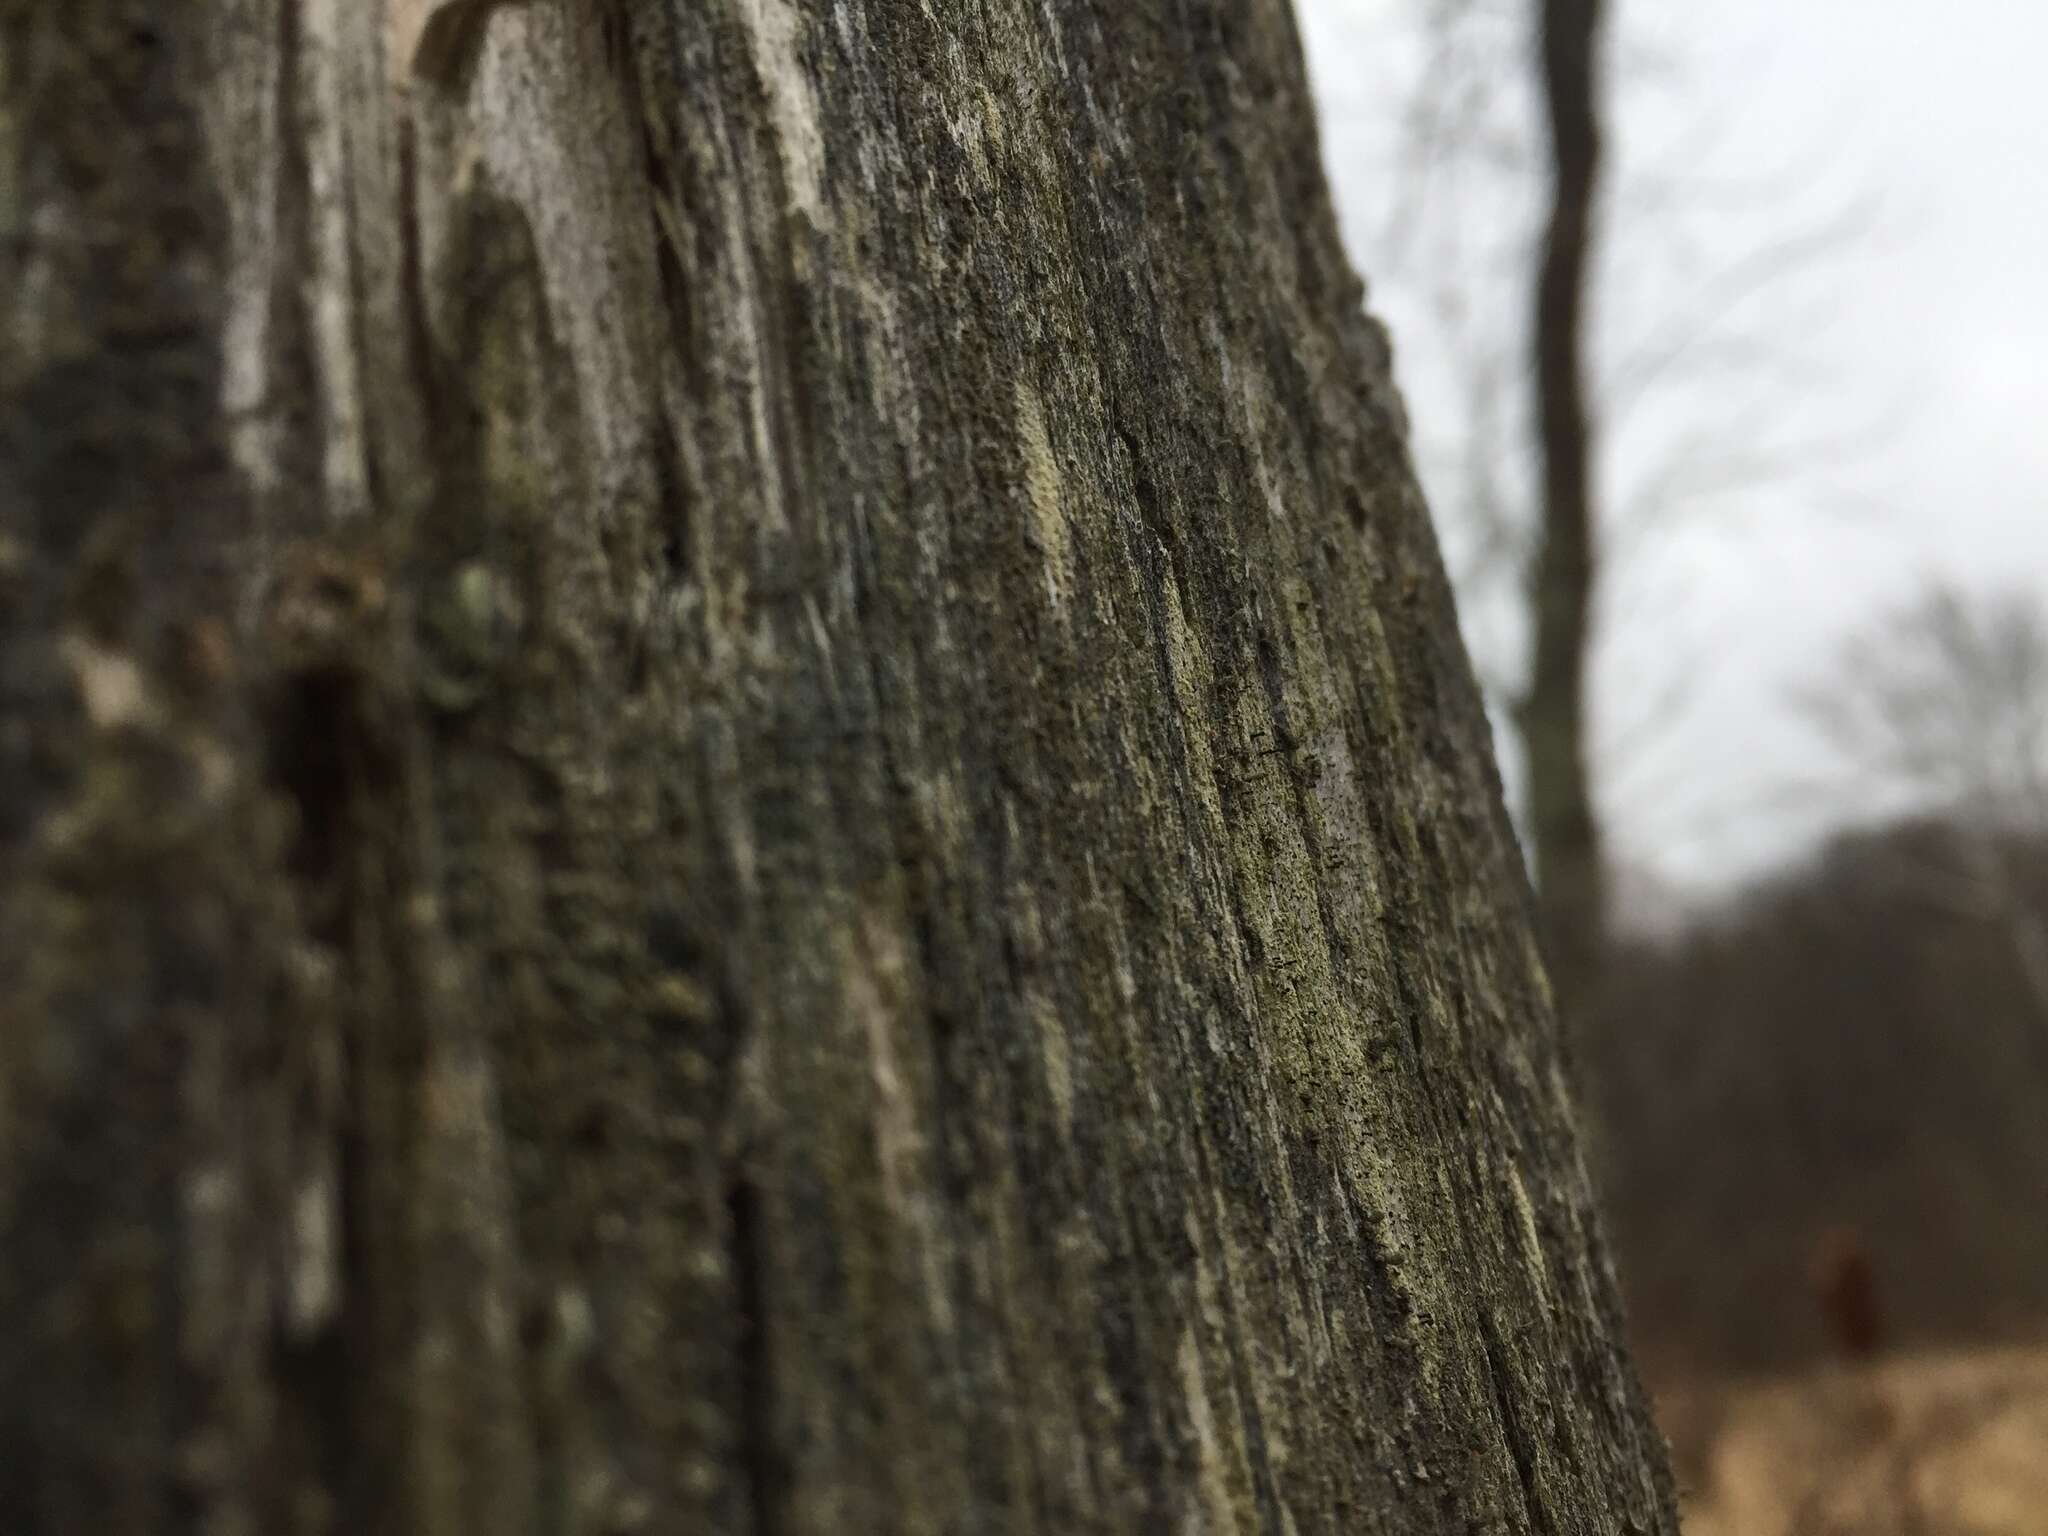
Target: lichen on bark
{"type": "Point", "coordinates": [739, 796]}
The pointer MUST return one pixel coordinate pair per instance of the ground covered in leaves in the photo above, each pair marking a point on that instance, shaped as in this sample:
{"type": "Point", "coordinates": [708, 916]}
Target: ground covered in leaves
{"type": "Point", "coordinates": [1934, 1444]}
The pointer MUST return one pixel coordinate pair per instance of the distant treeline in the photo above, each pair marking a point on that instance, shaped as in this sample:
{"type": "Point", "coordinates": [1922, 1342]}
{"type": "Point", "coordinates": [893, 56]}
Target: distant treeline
{"type": "Point", "coordinates": [1851, 1060]}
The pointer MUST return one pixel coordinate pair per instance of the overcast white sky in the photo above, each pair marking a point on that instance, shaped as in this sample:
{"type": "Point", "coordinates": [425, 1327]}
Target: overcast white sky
{"type": "Point", "coordinates": [1935, 330]}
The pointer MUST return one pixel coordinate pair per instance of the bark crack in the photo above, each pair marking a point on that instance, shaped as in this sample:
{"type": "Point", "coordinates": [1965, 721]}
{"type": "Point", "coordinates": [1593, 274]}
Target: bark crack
{"type": "Point", "coordinates": [1521, 1447]}
{"type": "Point", "coordinates": [762, 1469]}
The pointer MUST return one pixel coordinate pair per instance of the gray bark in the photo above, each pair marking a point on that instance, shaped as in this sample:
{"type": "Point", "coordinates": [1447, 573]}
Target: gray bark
{"type": "Point", "coordinates": [736, 795]}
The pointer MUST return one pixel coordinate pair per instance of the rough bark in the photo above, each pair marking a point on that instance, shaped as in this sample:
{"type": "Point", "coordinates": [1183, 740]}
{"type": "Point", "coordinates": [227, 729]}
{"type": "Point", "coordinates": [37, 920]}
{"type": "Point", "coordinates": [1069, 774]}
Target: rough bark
{"type": "Point", "coordinates": [1551, 716]}
{"type": "Point", "coordinates": [737, 796]}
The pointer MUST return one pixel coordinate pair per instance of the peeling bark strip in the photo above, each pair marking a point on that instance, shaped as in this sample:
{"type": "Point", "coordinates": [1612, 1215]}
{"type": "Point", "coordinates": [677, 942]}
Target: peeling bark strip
{"type": "Point", "coordinates": [736, 795]}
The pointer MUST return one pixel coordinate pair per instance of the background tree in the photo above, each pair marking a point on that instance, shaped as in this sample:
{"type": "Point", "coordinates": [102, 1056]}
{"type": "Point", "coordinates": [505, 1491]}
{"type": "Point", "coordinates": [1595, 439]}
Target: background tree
{"type": "Point", "coordinates": [1551, 714]}
{"type": "Point", "coordinates": [1942, 705]}
{"type": "Point", "coordinates": [1854, 1046]}
{"type": "Point", "coordinates": [737, 795]}
{"type": "Point", "coordinates": [1579, 480]}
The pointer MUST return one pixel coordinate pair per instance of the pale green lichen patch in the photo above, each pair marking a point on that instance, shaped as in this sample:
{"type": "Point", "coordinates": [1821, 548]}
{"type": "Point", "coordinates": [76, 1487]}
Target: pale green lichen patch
{"type": "Point", "coordinates": [1210, 1511]}
{"type": "Point", "coordinates": [1058, 1056]}
{"type": "Point", "coordinates": [775, 31]}
{"type": "Point", "coordinates": [1042, 497]}
{"type": "Point", "coordinates": [1532, 1239]}
{"type": "Point", "coordinates": [111, 685]}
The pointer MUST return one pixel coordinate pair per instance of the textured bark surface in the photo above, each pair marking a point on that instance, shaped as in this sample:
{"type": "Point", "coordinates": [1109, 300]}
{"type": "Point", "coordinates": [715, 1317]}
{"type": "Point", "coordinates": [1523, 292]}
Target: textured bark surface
{"type": "Point", "coordinates": [736, 795]}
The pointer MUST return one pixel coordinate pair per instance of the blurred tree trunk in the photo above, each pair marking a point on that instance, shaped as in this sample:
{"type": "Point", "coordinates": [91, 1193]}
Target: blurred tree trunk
{"type": "Point", "coordinates": [1552, 714]}
{"type": "Point", "coordinates": [736, 795]}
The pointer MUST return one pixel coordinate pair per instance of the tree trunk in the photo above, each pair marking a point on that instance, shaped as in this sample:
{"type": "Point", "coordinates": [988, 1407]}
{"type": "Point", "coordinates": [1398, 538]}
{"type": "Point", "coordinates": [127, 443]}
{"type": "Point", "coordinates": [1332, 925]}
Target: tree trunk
{"type": "Point", "coordinates": [1552, 715]}
{"type": "Point", "coordinates": [736, 795]}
